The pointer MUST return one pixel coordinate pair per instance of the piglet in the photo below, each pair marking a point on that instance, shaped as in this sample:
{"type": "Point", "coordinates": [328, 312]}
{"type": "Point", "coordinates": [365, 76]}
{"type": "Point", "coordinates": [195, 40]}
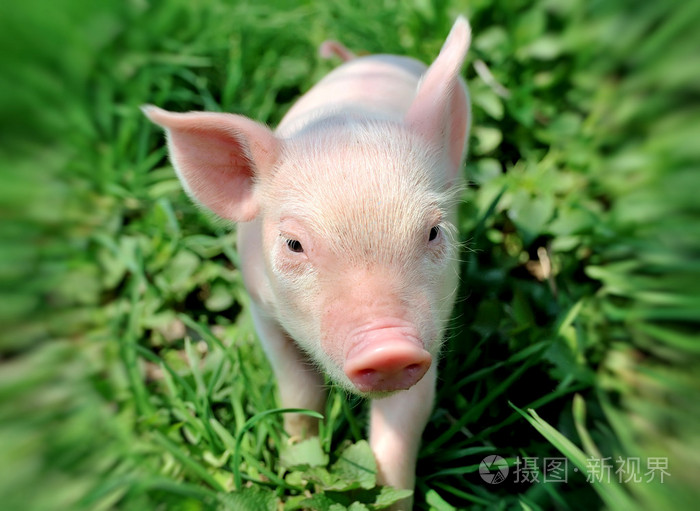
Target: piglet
{"type": "Point", "coordinates": [346, 231]}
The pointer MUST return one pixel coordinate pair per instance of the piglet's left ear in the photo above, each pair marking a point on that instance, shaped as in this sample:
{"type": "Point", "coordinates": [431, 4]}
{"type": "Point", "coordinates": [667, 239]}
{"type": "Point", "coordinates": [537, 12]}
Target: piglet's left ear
{"type": "Point", "coordinates": [440, 111]}
{"type": "Point", "coordinates": [219, 158]}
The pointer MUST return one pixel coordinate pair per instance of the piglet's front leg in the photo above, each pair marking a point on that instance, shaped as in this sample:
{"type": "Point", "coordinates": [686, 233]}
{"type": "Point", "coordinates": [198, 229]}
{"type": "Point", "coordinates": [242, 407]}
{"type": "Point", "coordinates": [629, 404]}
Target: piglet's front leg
{"type": "Point", "coordinates": [396, 426]}
{"type": "Point", "coordinates": [299, 384]}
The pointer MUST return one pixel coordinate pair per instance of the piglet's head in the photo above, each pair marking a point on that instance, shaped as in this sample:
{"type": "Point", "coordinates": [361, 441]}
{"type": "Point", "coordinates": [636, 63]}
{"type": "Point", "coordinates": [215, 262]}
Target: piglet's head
{"type": "Point", "coordinates": [356, 217]}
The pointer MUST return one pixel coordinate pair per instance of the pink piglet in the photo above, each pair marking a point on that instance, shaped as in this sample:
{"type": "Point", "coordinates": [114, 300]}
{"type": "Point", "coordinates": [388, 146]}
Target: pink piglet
{"type": "Point", "coordinates": [346, 218]}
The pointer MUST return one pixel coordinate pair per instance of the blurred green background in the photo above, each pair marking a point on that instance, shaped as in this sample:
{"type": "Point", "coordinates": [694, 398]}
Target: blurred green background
{"type": "Point", "coordinates": [128, 364]}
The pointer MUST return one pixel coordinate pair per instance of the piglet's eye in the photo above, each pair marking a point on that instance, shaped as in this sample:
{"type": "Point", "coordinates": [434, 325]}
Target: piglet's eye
{"type": "Point", "coordinates": [434, 233]}
{"type": "Point", "coordinates": [295, 246]}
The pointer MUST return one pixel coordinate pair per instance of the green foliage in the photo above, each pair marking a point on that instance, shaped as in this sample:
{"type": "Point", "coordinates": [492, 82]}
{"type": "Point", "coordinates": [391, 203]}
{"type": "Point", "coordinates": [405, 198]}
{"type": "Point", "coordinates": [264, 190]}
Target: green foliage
{"type": "Point", "coordinates": [349, 483]}
{"type": "Point", "coordinates": [130, 377]}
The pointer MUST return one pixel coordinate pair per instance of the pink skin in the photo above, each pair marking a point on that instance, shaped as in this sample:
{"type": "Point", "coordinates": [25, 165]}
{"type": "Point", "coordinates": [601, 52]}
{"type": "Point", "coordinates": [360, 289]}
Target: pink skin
{"type": "Point", "coordinates": [371, 333]}
{"type": "Point", "coordinates": [386, 363]}
{"type": "Point", "coordinates": [344, 217]}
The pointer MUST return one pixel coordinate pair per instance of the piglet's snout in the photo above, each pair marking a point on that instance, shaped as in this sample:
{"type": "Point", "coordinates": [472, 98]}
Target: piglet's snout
{"type": "Point", "coordinates": [386, 364]}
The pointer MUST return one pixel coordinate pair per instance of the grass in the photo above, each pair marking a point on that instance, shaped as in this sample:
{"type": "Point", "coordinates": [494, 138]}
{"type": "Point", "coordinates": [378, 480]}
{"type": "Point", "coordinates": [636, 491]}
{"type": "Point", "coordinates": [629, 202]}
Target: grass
{"type": "Point", "coordinates": [130, 377]}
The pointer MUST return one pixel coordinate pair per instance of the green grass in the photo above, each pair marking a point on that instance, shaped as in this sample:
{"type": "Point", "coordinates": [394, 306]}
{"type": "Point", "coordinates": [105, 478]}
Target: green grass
{"type": "Point", "coordinates": [130, 376]}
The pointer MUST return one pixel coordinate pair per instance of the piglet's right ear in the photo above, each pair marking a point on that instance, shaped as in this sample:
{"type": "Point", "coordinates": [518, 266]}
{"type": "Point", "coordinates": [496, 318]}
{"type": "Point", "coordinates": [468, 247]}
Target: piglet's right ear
{"type": "Point", "coordinates": [218, 157]}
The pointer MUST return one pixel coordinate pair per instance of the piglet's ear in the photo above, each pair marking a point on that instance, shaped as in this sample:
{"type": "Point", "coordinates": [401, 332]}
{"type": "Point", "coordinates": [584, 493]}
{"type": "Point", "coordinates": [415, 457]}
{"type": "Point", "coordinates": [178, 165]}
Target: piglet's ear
{"type": "Point", "coordinates": [218, 157]}
{"type": "Point", "coordinates": [440, 111]}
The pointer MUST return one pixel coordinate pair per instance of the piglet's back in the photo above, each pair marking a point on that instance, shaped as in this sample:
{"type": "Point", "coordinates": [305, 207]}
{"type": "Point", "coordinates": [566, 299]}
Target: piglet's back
{"type": "Point", "coordinates": [374, 87]}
